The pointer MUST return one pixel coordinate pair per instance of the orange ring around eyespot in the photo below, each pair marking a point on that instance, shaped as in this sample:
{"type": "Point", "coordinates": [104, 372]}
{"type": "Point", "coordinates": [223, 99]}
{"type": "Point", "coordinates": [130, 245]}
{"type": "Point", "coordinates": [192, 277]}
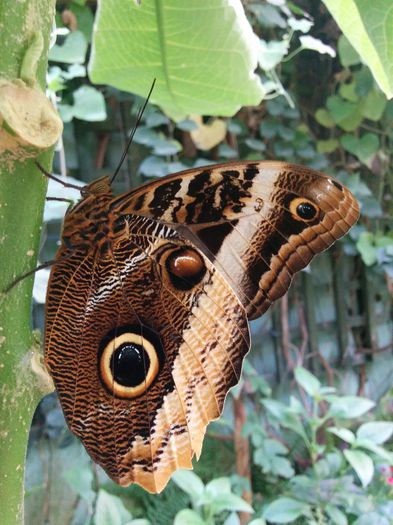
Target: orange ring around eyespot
{"type": "Point", "coordinates": [128, 392]}
{"type": "Point", "coordinates": [301, 200]}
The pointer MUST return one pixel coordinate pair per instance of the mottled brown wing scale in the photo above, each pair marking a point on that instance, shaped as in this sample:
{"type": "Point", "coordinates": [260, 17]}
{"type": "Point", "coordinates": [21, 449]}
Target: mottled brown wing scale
{"type": "Point", "coordinates": [239, 215]}
{"type": "Point", "coordinates": [146, 439]}
{"type": "Point", "coordinates": [119, 282]}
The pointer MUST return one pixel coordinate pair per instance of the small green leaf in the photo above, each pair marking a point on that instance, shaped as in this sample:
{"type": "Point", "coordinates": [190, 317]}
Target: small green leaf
{"type": "Point", "coordinates": [376, 449]}
{"type": "Point", "coordinates": [364, 148]}
{"type": "Point", "coordinates": [269, 128]}
{"type": "Point", "coordinates": [164, 147]}
{"type": "Point", "coordinates": [352, 122]}
{"type": "Point", "coordinates": [230, 502]}
{"type": "Point", "coordinates": [348, 55]}
{"type": "Point", "coordinates": [324, 118]}
{"type": "Point", "coordinates": [75, 71]}
{"type": "Point", "coordinates": [362, 465]}
{"type": "Point", "coordinates": [255, 144]}
{"type": "Point", "coordinates": [286, 133]}
{"type": "Point", "coordinates": [307, 381]}
{"type": "Point", "coordinates": [282, 467]}
{"type": "Point", "coordinates": [153, 166]}
{"type": "Point", "coordinates": [189, 482]}
{"type": "Point", "coordinates": [187, 125]}
{"type": "Point", "coordinates": [188, 517]}
{"type": "Point", "coordinates": [219, 486]}
{"type": "Point", "coordinates": [271, 53]}
{"type": "Point", "coordinates": [376, 431]}
{"type": "Point", "coordinates": [89, 104]}
{"type": "Point", "coordinates": [274, 447]}
{"type": "Point", "coordinates": [336, 515]}
{"type": "Point", "coordinates": [268, 15]}
{"type": "Point", "coordinates": [156, 118]}
{"type": "Point", "coordinates": [372, 518]}
{"type": "Point", "coordinates": [227, 152]}
{"type": "Point", "coordinates": [232, 519]}
{"type": "Point", "coordinates": [348, 92]}
{"type": "Point", "coordinates": [284, 510]}
{"type": "Point", "coordinates": [300, 24]}
{"type": "Point", "coordinates": [345, 114]}
{"type": "Point", "coordinates": [343, 433]}
{"type": "Point", "coordinates": [277, 409]}
{"type": "Point", "coordinates": [110, 509]}
{"type": "Point", "coordinates": [66, 112]}
{"type": "Point", "coordinates": [327, 146]}
{"type": "Point", "coordinates": [349, 407]}
{"type": "Point", "coordinates": [364, 81]}
{"type": "Point", "coordinates": [373, 105]}
{"type": "Point", "coordinates": [367, 249]}
{"type": "Point", "coordinates": [72, 51]}
{"type": "Point", "coordinates": [314, 44]}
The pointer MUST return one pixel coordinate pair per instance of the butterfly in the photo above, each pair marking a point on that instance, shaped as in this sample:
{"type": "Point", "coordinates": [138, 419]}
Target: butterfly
{"type": "Point", "coordinates": [150, 296]}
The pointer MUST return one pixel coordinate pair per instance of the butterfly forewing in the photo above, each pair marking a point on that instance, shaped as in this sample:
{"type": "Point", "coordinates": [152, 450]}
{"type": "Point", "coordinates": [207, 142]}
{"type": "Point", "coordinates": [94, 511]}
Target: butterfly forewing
{"type": "Point", "coordinates": [245, 217]}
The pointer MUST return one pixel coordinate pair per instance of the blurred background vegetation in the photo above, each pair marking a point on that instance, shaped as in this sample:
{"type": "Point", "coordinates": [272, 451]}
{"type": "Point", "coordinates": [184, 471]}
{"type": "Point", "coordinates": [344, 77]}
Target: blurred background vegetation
{"type": "Point", "coordinates": [304, 436]}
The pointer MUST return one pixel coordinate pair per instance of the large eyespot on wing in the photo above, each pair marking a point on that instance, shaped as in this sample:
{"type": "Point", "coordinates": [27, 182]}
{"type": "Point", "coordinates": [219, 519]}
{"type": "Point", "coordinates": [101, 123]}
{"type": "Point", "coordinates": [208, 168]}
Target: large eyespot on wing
{"type": "Point", "coordinates": [151, 339]}
{"type": "Point", "coordinates": [258, 222]}
{"type": "Point", "coordinates": [129, 360]}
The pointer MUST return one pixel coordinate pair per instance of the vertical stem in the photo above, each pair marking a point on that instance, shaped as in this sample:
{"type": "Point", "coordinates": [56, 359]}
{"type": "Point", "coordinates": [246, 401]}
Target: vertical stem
{"type": "Point", "coordinates": [242, 450]}
{"type": "Point", "coordinates": [310, 316]}
{"type": "Point", "coordinates": [339, 289]}
{"type": "Point", "coordinates": [22, 194]}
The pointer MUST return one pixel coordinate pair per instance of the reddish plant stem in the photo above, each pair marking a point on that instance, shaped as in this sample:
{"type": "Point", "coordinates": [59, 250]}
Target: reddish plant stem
{"type": "Point", "coordinates": [242, 450]}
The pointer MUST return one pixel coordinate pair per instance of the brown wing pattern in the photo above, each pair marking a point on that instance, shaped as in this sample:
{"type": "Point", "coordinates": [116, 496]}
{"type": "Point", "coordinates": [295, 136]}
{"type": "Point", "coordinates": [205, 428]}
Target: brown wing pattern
{"type": "Point", "coordinates": [99, 302]}
{"type": "Point", "coordinates": [146, 325]}
{"type": "Point", "coordinates": [244, 216]}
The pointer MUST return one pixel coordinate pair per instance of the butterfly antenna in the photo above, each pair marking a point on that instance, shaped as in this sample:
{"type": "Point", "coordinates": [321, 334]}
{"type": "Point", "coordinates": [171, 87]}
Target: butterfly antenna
{"type": "Point", "coordinates": [129, 142]}
{"type": "Point", "coordinates": [57, 179]}
{"type": "Point", "coordinates": [31, 272]}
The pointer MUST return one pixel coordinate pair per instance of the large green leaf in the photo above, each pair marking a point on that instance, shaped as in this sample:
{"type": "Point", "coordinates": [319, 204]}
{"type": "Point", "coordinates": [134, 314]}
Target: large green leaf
{"type": "Point", "coordinates": [202, 52]}
{"type": "Point", "coordinates": [368, 25]}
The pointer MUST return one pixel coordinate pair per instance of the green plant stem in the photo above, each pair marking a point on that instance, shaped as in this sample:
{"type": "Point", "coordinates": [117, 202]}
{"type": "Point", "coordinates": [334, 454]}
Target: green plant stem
{"type": "Point", "coordinates": [22, 196]}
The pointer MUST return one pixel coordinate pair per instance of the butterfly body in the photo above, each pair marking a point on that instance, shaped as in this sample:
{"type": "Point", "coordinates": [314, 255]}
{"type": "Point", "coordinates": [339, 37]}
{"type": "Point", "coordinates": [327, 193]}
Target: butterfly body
{"type": "Point", "coordinates": [146, 322]}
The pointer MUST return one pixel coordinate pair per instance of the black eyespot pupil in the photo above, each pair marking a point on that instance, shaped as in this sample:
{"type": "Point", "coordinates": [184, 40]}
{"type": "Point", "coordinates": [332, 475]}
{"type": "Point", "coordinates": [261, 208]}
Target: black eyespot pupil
{"type": "Point", "coordinates": [129, 364]}
{"type": "Point", "coordinates": [306, 211]}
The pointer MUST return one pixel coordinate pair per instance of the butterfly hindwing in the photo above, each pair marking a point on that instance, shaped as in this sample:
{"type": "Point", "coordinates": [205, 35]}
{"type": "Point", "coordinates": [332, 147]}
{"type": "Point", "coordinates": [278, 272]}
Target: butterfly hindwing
{"type": "Point", "coordinates": [192, 335]}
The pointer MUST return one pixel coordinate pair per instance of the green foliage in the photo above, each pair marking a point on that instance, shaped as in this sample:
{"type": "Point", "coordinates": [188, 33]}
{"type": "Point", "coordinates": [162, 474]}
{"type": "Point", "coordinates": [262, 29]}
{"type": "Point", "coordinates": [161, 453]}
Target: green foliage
{"type": "Point", "coordinates": [186, 81]}
{"type": "Point", "coordinates": [208, 502]}
{"type": "Point", "coordinates": [327, 489]}
{"type": "Point", "coordinates": [369, 28]}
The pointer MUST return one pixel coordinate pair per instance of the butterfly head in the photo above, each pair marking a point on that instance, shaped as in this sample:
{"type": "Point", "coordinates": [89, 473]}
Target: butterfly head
{"type": "Point", "coordinates": [101, 186]}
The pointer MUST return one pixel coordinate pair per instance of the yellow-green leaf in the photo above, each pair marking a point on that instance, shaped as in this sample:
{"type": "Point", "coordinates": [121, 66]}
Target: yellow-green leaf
{"type": "Point", "coordinates": [368, 25]}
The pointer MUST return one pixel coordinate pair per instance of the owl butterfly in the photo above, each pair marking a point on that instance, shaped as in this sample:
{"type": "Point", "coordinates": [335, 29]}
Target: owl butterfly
{"type": "Point", "coordinates": [149, 301]}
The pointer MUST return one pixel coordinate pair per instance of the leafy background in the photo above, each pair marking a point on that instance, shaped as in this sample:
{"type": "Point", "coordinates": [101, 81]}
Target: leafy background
{"type": "Point", "coordinates": [305, 436]}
